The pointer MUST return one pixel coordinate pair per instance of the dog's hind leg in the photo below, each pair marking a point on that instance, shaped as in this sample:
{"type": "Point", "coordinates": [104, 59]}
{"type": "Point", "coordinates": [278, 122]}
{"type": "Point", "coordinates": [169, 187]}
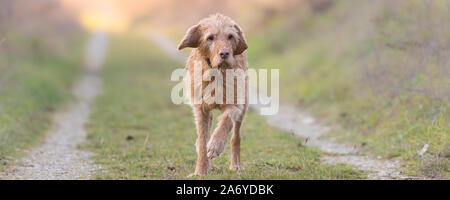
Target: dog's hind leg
{"type": "Point", "coordinates": [235, 144]}
{"type": "Point", "coordinates": [218, 140]}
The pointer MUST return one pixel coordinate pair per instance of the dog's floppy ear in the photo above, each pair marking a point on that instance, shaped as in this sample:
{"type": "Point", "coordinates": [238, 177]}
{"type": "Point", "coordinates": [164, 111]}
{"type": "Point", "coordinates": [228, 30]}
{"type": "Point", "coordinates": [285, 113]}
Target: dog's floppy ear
{"type": "Point", "coordinates": [192, 38]}
{"type": "Point", "coordinates": [241, 44]}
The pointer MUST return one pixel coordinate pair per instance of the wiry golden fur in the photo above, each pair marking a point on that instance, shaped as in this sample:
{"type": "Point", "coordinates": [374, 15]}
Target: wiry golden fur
{"type": "Point", "coordinates": [219, 41]}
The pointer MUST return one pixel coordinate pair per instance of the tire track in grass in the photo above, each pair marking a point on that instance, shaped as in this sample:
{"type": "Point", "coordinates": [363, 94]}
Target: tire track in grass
{"type": "Point", "coordinates": [58, 156]}
{"type": "Point", "coordinates": [291, 119]}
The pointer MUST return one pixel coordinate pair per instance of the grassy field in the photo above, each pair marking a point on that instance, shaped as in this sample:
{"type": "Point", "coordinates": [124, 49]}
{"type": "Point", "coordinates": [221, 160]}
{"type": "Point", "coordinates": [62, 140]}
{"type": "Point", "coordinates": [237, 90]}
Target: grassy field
{"type": "Point", "coordinates": [33, 83]}
{"type": "Point", "coordinates": [138, 133]}
{"type": "Point", "coordinates": [375, 71]}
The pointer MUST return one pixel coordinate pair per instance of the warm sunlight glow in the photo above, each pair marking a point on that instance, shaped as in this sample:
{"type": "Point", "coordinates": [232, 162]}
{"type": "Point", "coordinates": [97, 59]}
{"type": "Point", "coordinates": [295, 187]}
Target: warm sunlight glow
{"type": "Point", "coordinates": [96, 21]}
{"type": "Point", "coordinates": [99, 15]}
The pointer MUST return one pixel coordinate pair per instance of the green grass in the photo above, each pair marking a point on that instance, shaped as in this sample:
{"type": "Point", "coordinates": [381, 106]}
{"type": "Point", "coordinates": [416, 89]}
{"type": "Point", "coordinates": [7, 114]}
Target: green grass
{"type": "Point", "coordinates": [366, 69]}
{"type": "Point", "coordinates": [138, 133]}
{"type": "Point", "coordinates": [33, 83]}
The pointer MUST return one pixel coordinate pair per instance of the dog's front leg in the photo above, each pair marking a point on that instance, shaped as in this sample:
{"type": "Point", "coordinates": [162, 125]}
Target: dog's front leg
{"type": "Point", "coordinates": [226, 121]}
{"type": "Point", "coordinates": [202, 120]}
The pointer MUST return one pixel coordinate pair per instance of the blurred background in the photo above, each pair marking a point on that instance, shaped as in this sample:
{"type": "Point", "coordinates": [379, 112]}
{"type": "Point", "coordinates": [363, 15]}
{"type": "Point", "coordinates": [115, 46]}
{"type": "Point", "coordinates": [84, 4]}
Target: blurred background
{"type": "Point", "coordinates": [379, 69]}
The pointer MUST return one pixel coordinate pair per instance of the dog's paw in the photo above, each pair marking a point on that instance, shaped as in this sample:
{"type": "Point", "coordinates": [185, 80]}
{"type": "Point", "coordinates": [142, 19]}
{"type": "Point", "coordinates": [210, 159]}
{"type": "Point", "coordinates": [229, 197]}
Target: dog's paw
{"type": "Point", "coordinates": [191, 175]}
{"type": "Point", "coordinates": [195, 174]}
{"type": "Point", "coordinates": [236, 167]}
{"type": "Point", "coordinates": [215, 147]}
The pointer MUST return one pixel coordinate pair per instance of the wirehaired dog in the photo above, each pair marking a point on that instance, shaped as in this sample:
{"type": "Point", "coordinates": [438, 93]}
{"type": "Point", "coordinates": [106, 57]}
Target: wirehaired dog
{"type": "Point", "coordinates": [219, 44]}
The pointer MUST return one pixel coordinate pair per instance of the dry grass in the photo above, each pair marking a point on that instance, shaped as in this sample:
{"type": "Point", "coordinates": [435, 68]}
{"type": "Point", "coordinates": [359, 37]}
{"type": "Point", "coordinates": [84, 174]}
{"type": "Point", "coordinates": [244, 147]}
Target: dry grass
{"type": "Point", "coordinates": [378, 70]}
{"type": "Point", "coordinates": [40, 55]}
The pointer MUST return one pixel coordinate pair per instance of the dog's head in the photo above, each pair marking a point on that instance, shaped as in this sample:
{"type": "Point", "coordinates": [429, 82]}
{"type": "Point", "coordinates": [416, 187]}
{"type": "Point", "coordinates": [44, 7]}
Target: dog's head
{"type": "Point", "coordinates": [218, 38]}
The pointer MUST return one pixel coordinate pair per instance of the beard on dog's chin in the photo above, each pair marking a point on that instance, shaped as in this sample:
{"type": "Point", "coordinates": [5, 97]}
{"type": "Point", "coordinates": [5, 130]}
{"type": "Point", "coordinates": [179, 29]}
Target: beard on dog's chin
{"type": "Point", "coordinates": [222, 63]}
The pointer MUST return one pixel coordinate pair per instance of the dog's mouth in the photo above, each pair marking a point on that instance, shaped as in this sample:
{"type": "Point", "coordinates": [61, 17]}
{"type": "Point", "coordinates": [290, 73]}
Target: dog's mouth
{"type": "Point", "coordinates": [216, 62]}
{"type": "Point", "coordinates": [223, 64]}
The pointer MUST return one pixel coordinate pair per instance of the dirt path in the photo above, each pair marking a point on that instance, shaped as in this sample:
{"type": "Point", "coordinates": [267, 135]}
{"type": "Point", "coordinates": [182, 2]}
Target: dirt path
{"type": "Point", "coordinates": [58, 156]}
{"type": "Point", "coordinates": [291, 119]}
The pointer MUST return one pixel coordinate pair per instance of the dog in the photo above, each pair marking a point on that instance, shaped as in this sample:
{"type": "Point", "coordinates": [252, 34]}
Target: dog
{"type": "Point", "coordinates": [218, 43]}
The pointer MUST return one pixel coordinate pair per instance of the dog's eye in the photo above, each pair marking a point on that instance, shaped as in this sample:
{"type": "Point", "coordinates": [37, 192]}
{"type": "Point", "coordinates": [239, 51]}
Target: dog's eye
{"type": "Point", "coordinates": [211, 38]}
{"type": "Point", "coordinates": [230, 37]}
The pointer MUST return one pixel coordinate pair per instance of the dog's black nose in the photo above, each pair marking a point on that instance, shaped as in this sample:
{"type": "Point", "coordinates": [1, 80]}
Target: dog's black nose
{"type": "Point", "coordinates": [224, 54]}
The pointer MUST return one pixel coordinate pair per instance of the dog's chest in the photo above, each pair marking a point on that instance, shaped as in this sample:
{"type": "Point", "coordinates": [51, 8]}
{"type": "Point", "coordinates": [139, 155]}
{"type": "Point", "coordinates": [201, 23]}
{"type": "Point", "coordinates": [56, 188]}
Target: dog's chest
{"type": "Point", "coordinates": [211, 89]}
